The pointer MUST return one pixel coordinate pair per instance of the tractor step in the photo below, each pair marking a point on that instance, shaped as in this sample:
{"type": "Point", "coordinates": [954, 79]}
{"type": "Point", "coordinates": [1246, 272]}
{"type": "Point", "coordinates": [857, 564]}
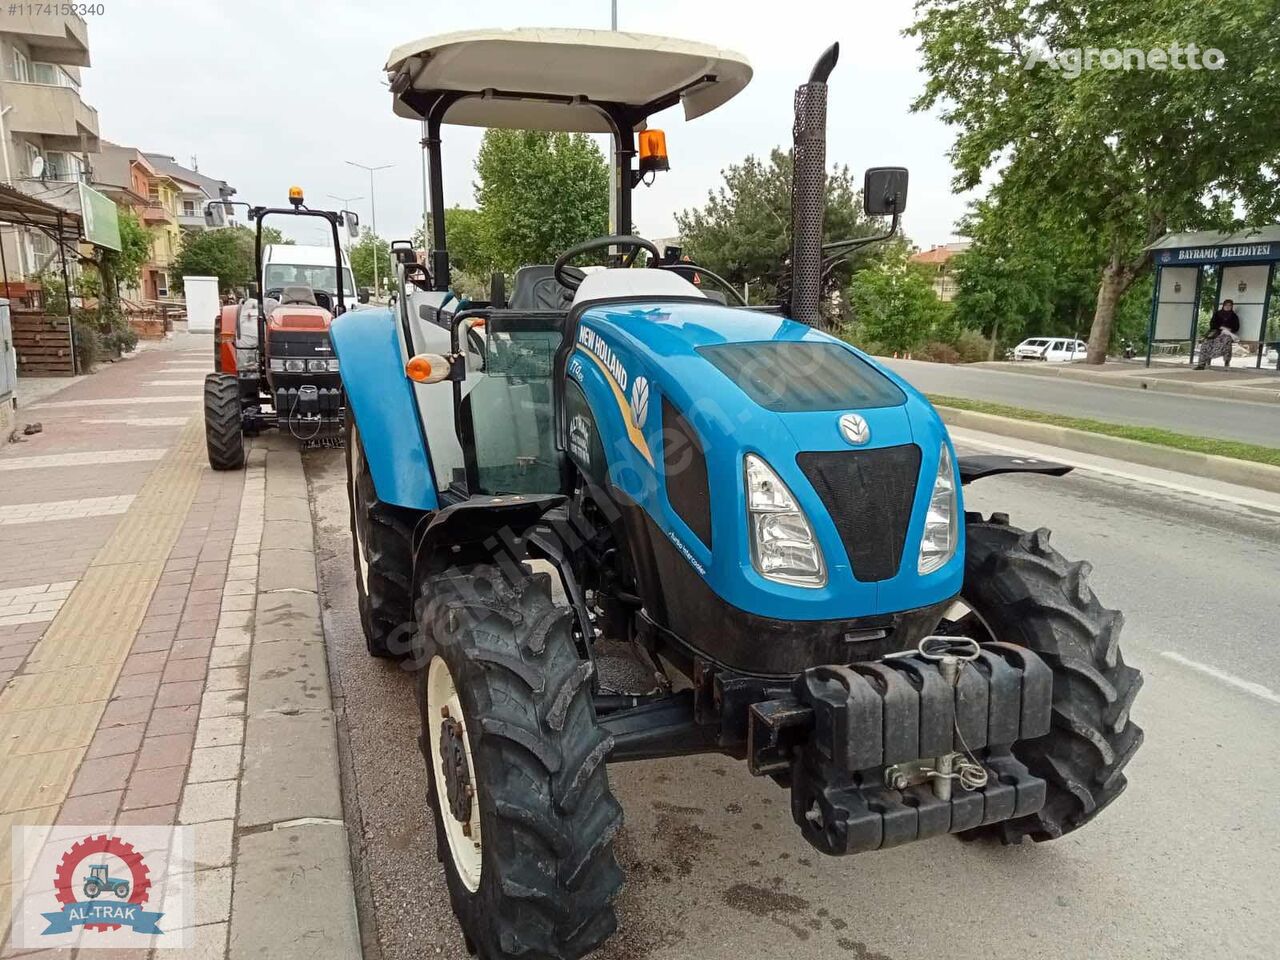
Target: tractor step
{"type": "Point", "coordinates": [875, 751]}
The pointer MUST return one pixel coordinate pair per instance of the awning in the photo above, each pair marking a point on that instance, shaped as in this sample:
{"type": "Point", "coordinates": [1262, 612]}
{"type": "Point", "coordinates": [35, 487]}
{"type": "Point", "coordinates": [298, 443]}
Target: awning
{"type": "Point", "coordinates": [544, 79]}
{"type": "Point", "coordinates": [57, 222]}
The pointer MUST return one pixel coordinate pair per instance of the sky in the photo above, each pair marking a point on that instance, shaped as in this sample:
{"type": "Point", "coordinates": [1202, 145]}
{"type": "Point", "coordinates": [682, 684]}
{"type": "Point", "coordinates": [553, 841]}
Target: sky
{"type": "Point", "coordinates": [270, 94]}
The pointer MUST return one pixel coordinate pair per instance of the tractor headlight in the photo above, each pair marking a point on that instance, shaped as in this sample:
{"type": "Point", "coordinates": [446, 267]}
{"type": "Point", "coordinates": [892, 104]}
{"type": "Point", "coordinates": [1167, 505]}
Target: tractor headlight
{"type": "Point", "coordinates": [317, 366]}
{"type": "Point", "coordinates": [941, 522]}
{"type": "Point", "coordinates": [276, 365]}
{"type": "Point", "coordinates": [783, 547]}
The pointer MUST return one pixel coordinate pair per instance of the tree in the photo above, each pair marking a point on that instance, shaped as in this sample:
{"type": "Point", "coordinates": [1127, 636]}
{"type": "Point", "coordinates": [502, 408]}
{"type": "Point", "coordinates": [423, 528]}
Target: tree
{"type": "Point", "coordinates": [893, 302]}
{"type": "Point", "coordinates": [465, 229]}
{"type": "Point", "coordinates": [539, 193]}
{"type": "Point", "coordinates": [743, 233]}
{"type": "Point", "coordinates": [1132, 153]}
{"type": "Point", "coordinates": [225, 253]}
{"type": "Point", "coordinates": [362, 254]}
{"type": "Point", "coordinates": [124, 265]}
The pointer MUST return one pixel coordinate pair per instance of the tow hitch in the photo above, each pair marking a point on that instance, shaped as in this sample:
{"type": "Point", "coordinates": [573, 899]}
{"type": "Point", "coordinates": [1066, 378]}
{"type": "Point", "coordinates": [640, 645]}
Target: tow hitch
{"type": "Point", "coordinates": [874, 751]}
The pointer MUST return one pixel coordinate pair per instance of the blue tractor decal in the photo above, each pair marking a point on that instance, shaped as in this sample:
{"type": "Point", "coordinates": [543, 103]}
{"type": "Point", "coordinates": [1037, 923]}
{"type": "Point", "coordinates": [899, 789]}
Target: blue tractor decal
{"type": "Point", "coordinates": [620, 514]}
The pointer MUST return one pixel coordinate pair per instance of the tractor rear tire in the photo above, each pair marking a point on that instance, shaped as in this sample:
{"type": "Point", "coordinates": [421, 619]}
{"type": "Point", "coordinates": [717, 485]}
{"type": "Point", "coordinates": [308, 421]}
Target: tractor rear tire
{"type": "Point", "coordinates": [223, 421]}
{"type": "Point", "coordinates": [382, 548]}
{"type": "Point", "coordinates": [1025, 592]}
{"type": "Point", "coordinates": [532, 873]}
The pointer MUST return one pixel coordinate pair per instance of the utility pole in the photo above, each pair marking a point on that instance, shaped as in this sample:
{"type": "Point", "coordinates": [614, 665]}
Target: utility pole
{"type": "Point", "coordinates": [373, 215]}
{"type": "Point", "coordinates": [346, 205]}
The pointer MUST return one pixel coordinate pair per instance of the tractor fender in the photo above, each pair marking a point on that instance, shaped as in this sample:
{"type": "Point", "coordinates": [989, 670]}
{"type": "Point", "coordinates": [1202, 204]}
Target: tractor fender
{"type": "Point", "coordinates": [478, 521]}
{"type": "Point", "coordinates": [224, 358]}
{"type": "Point", "coordinates": [989, 465]}
{"type": "Point", "coordinates": [380, 399]}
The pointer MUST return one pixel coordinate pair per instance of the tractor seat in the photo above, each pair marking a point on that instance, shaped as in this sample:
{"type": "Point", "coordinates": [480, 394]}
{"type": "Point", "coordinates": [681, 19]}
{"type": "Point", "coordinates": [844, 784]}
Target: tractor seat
{"type": "Point", "coordinates": [298, 294]}
{"type": "Point", "coordinates": [536, 288]}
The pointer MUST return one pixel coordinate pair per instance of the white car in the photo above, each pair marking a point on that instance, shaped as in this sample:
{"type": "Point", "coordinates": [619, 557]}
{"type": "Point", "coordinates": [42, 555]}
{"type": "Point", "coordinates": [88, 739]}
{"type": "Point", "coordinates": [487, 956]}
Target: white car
{"type": "Point", "coordinates": [1052, 349]}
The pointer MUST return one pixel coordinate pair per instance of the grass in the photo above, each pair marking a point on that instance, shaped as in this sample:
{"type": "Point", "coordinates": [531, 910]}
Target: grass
{"type": "Point", "coordinates": [1162, 438]}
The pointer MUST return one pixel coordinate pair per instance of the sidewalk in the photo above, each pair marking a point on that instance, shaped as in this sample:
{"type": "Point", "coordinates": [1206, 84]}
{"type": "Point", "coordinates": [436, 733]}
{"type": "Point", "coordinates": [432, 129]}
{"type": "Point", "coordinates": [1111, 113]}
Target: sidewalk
{"type": "Point", "coordinates": [1240, 382]}
{"type": "Point", "coordinates": [160, 659]}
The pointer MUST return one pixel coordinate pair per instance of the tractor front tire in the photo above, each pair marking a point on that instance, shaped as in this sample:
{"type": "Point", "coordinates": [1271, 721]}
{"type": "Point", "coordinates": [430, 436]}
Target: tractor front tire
{"type": "Point", "coordinates": [1025, 592]}
{"type": "Point", "coordinates": [517, 786]}
{"type": "Point", "coordinates": [223, 421]}
{"type": "Point", "coordinates": [382, 545]}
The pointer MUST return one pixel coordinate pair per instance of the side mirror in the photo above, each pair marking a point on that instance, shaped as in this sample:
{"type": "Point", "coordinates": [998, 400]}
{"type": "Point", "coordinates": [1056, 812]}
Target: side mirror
{"type": "Point", "coordinates": [884, 191]}
{"type": "Point", "coordinates": [353, 224]}
{"type": "Point", "coordinates": [362, 295]}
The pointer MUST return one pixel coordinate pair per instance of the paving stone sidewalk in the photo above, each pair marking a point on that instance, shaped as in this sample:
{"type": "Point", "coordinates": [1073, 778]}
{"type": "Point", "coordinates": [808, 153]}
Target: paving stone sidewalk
{"type": "Point", "coordinates": [161, 659]}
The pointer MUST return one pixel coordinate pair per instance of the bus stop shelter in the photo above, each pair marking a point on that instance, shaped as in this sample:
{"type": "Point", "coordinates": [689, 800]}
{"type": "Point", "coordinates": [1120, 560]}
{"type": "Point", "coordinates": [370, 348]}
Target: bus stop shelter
{"type": "Point", "coordinates": [1245, 268]}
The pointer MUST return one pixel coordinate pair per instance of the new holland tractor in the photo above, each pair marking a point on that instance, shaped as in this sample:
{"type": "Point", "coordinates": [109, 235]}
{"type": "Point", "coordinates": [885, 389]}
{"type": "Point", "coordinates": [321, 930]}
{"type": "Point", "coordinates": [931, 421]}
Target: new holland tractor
{"type": "Point", "coordinates": [273, 361]}
{"type": "Point", "coordinates": [614, 516]}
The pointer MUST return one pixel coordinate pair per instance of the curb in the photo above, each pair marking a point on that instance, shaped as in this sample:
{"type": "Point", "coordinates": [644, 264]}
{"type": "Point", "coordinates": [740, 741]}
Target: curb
{"type": "Point", "coordinates": [1224, 391]}
{"type": "Point", "coordinates": [1242, 472]}
{"type": "Point", "coordinates": [294, 895]}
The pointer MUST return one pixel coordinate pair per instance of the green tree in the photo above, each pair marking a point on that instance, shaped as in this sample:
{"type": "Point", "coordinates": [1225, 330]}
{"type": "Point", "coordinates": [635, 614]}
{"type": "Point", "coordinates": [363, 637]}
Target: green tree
{"type": "Point", "coordinates": [539, 193]}
{"type": "Point", "coordinates": [225, 253]}
{"type": "Point", "coordinates": [121, 266]}
{"type": "Point", "coordinates": [743, 232]}
{"type": "Point", "coordinates": [893, 303]}
{"type": "Point", "coordinates": [1132, 153]}
{"type": "Point", "coordinates": [464, 230]}
{"type": "Point", "coordinates": [362, 254]}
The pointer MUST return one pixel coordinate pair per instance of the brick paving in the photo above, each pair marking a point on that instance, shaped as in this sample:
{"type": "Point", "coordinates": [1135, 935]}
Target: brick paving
{"type": "Point", "coordinates": [160, 657]}
{"type": "Point", "coordinates": [101, 534]}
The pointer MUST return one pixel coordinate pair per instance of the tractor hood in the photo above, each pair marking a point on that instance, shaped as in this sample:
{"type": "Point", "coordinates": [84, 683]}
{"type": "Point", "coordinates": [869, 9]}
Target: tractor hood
{"type": "Point", "coordinates": [857, 447]}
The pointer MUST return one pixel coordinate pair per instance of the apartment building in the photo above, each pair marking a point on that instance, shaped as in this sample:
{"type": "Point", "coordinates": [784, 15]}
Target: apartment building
{"type": "Point", "coordinates": [47, 132]}
{"type": "Point", "coordinates": [197, 191]}
{"type": "Point", "coordinates": [132, 181]}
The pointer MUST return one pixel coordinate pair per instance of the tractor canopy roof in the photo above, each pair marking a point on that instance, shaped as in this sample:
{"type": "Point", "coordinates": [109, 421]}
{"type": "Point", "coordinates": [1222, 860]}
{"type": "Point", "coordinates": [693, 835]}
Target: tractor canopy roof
{"type": "Point", "coordinates": [544, 79]}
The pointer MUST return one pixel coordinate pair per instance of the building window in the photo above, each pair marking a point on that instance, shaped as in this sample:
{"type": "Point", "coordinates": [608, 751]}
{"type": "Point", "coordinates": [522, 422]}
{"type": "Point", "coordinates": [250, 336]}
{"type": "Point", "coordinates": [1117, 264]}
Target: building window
{"type": "Point", "coordinates": [162, 284]}
{"type": "Point", "coordinates": [153, 192]}
{"type": "Point", "coordinates": [188, 208]}
{"type": "Point", "coordinates": [63, 166]}
{"type": "Point", "coordinates": [32, 153]}
{"type": "Point", "coordinates": [21, 66]}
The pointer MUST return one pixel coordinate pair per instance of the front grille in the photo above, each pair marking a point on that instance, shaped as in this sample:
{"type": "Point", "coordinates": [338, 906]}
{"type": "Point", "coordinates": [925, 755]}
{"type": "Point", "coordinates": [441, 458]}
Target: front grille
{"type": "Point", "coordinates": [869, 494]}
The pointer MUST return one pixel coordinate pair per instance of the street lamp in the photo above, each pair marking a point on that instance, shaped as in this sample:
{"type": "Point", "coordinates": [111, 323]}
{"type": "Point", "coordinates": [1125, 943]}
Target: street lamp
{"type": "Point", "coordinates": [346, 205]}
{"type": "Point", "coordinates": [373, 214]}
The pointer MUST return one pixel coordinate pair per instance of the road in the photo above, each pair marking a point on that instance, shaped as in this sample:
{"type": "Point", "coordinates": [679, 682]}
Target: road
{"type": "Point", "coordinates": [1181, 866]}
{"type": "Point", "coordinates": [1200, 416]}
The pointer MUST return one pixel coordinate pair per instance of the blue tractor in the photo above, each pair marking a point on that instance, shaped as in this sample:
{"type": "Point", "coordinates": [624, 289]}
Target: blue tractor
{"type": "Point", "coordinates": [621, 514]}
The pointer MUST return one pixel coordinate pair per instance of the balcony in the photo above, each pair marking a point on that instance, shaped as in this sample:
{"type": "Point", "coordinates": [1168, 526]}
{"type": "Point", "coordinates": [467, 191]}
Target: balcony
{"type": "Point", "coordinates": [155, 213]}
{"type": "Point", "coordinates": [55, 113]}
{"type": "Point", "coordinates": [52, 38]}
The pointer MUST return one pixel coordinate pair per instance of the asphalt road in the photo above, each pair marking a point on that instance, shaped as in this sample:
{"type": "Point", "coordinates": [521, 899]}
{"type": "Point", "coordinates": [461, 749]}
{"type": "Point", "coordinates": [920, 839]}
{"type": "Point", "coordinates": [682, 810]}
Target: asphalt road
{"type": "Point", "coordinates": [1183, 865]}
{"type": "Point", "coordinates": [1200, 416]}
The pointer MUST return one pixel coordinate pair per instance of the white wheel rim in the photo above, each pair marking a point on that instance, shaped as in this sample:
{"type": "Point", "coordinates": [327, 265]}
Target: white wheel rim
{"type": "Point", "coordinates": [466, 851]}
{"type": "Point", "coordinates": [362, 563]}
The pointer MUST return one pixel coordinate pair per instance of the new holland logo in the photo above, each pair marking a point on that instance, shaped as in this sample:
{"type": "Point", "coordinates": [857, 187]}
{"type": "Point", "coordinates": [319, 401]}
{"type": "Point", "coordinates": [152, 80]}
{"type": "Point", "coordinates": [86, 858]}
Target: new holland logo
{"type": "Point", "coordinates": [640, 401]}
{"type": "Point", "coordinates": [854, 429]}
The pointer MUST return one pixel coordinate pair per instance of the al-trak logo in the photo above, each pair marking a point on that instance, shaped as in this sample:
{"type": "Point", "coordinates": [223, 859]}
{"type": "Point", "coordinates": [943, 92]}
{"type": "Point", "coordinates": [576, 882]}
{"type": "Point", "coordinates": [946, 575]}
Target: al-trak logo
{"type": "Point", "coordinates": [102, 884]}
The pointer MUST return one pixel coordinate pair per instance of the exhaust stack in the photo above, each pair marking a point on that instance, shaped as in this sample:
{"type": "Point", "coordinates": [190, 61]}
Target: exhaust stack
{"type": "Point", "coordinates": [809, 189]}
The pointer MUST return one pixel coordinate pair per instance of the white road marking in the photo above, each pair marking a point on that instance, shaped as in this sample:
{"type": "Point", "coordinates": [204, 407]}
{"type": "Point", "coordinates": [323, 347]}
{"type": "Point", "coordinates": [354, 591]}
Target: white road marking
{"type": "Point", "coordinates": [83, 459]}
{"type": "Point", "coordinates": [1247, 686]}
{"type": "Point", "coordinates": [173, 383]}
{"type": "Point", "coordinates": [37, 603]}
{"type": "Point", "coordinates": [118, 401]}
{"type": "Point", "coordinates": [142, 421]}
{"type": "Point", "coordinates": [64, 509]}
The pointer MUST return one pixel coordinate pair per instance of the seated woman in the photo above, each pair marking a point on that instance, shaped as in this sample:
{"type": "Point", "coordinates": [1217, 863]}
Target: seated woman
{"type": "Point", "coordinates": [1224, 331]}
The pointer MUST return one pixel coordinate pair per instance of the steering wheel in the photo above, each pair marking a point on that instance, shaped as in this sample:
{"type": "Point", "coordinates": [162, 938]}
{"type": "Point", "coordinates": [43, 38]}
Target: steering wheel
{"type": "Point", "coordinates": [636, 244]}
